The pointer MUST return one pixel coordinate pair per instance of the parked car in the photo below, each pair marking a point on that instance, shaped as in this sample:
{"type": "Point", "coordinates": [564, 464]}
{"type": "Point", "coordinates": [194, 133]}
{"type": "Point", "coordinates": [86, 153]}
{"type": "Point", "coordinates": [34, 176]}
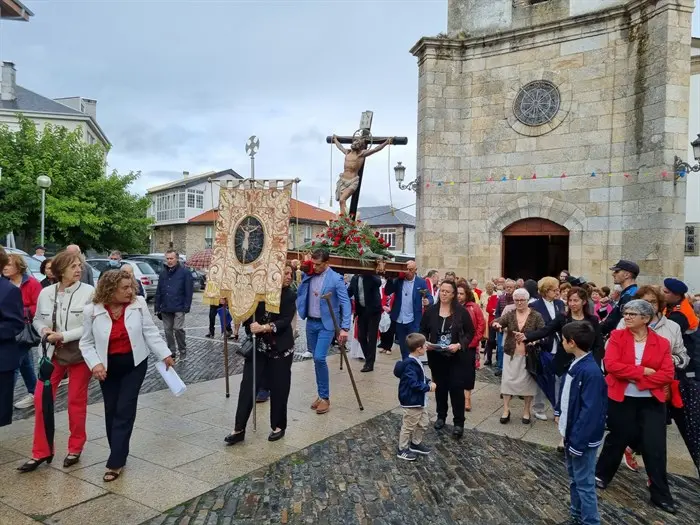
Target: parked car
{"type": "Point", "coordinates": [158, 263]}
{"type": "Point", "coordinates": [143, 272]}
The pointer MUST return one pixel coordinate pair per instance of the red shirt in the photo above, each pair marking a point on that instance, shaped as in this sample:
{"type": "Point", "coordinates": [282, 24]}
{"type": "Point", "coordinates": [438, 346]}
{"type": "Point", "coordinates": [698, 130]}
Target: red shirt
{"type": "Point", "coordinates": [119, 342]}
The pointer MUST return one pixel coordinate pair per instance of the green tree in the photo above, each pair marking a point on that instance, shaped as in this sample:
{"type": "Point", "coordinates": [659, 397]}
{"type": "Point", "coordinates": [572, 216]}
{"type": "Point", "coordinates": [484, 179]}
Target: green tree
{"type": "Point", "coordinates": [85, 204]}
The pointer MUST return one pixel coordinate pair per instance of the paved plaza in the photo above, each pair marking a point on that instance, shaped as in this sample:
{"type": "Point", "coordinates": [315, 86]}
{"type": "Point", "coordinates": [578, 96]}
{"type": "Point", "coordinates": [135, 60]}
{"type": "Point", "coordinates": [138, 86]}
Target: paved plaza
{"type": "Point", "coordinates": [339, 468]}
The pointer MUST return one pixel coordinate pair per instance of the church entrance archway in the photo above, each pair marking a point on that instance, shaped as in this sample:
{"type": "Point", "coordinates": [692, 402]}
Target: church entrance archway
{"type": "Point", "coordinates": [534, 248]}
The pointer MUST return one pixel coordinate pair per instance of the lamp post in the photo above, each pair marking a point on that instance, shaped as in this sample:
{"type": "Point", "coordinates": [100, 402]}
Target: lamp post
{"type": "Point", "coordinates": [400, 173]}
{"type": "Point", "coordinates": [44, 182]}
{"type": "Point", "coordinates": [680, 167]}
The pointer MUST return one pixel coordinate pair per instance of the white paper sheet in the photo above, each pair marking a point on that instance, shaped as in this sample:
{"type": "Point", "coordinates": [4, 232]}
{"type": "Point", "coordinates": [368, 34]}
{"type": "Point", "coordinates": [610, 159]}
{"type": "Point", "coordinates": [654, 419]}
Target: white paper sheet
{"type": "Point", "coordinates": [175, 384]}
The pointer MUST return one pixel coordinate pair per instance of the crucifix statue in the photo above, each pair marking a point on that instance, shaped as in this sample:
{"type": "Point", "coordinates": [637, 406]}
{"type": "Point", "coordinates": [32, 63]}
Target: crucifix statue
{"type": "Point", "coordinates": [350, 181]}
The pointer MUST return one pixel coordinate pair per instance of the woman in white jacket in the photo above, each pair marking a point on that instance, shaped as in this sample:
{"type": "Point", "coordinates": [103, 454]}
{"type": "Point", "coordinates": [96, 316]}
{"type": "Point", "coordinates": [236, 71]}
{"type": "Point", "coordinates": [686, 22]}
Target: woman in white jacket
{"type": "Point", "coordinates": [59, 317]}
{"type": "Point", "coordinates": [118, 335]}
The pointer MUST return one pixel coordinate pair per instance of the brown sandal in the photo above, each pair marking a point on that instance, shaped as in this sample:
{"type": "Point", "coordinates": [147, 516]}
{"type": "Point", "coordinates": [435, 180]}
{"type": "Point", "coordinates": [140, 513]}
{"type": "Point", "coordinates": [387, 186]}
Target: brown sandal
{"type": "Point", "coordinates": [111, 475]}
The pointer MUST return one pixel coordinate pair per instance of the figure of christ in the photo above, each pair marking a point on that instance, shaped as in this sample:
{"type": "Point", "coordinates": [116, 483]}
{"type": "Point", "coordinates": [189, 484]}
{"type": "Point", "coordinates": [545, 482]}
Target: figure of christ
{"type": "Point", "coordinates": [247, 230]}
{"type": "Point", "coordinates": [349, 180]}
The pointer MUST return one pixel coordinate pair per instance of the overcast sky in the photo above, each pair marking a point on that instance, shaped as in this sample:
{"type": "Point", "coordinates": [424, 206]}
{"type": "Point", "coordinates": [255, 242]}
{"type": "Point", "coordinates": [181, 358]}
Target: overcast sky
{"type": "Point", "coordinates": [181, 85]}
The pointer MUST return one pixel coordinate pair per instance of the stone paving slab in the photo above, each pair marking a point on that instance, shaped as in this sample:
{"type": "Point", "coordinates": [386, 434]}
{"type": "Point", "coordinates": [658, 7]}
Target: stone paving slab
{"type": "Point", "coordinates": [354, 478]}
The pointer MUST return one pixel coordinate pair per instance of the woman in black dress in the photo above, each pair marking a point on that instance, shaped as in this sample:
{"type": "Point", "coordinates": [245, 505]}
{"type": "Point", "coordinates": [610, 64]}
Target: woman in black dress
{"type": "Point", "coordinates": [449, 328]}
{"type": "Point", "coordinates": [275, 353]}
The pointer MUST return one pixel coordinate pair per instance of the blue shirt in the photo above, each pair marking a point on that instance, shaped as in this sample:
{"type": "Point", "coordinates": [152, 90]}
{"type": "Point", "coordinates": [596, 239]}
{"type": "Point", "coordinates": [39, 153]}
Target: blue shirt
{"type": "Point", "coordinates": [315, 290]}
{"type": "Point", "coordinates": [406, 312]}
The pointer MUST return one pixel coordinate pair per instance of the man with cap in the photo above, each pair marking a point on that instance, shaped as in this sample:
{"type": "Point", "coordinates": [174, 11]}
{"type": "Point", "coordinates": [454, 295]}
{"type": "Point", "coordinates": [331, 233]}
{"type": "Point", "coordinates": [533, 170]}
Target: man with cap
{"type": "Point", "coordinates": [625, 275]}
{"type": "Point", "coordinates": [39, 252]}
{"type": "Point", "coordinates": [680, 310]}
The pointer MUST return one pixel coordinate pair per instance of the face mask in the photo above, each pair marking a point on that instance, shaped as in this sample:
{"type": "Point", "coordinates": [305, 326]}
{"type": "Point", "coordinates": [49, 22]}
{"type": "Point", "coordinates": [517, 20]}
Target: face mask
{"type": "Point", "coordinates": [113, 264]}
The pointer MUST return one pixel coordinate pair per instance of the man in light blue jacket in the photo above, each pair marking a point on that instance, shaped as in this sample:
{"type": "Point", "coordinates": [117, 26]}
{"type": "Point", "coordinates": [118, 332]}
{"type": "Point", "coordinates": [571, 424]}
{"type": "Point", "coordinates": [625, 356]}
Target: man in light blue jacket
{"type": "Point", "coordinates": [318, 280]}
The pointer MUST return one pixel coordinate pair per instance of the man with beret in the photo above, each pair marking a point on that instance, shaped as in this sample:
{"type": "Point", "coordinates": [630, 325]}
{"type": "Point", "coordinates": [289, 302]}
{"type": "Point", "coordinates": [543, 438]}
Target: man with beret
{"type": "Point", "coordinates": [680, 310]}
{"type": "Point", "coordinates": [624, 274]}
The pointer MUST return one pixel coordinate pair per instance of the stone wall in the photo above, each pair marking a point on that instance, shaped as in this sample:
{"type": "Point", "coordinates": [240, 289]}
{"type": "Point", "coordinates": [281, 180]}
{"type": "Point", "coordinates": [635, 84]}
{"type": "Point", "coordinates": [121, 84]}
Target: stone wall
{"type": "Point", "coordinates": [623, 77]}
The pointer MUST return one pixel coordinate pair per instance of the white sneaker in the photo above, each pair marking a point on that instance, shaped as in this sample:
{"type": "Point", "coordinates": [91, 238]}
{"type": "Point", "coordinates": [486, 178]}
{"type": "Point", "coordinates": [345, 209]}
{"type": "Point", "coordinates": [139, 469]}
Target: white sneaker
{"type": "Point", "coordinates": [63, 382]}
{"type": "Point", "coordinates": [25, 402]}
{"type": "Point", "coordinates": [541, 416]}
{"type": "Point", "coordinates": [307, 355]}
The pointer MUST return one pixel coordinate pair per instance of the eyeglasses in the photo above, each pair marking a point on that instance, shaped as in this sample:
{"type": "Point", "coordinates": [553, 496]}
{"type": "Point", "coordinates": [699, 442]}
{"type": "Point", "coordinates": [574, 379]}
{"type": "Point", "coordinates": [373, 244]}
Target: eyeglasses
{"type": "Point", "coordinates": [520, 300]}
{"type": "Point", "coordinates": [630, 314]}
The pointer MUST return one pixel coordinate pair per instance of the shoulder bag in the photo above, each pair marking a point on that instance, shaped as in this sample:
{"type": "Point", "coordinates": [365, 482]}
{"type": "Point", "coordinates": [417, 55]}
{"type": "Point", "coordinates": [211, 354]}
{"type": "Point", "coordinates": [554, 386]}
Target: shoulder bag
{"type": "Point", "coordinates": [65, 353]}
{"type": "Point", "coordinates": [28, 337]}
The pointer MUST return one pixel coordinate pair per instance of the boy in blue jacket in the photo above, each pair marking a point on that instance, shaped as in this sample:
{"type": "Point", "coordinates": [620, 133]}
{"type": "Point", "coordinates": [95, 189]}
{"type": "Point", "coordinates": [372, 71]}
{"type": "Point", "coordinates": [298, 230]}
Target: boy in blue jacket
{"type": "Point", "coordinates": [413, 393]}
{"type": "Point", "coordinates": [580, 413]}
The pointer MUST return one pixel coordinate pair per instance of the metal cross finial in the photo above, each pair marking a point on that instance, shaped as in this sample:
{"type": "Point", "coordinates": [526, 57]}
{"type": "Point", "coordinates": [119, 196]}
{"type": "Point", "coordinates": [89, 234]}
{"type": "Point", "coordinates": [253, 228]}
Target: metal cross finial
{"type": "Point", "coordinates": [252, 145]}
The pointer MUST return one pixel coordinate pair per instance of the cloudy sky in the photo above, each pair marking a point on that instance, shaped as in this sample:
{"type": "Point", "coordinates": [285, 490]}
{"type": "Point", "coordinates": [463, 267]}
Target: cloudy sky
{"type": "Point", "coordinates": [182, 84]}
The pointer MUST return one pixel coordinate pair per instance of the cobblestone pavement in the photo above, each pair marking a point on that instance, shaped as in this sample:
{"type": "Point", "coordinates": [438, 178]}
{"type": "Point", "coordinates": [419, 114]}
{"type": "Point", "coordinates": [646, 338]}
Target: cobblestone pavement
{"type": "Point", "coordinates": [204, 360]}
{"type": "Point", "coordinates": [355, 478]}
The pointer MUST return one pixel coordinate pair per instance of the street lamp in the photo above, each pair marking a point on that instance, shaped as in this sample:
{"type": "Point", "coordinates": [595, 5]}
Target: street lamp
{"type": "Point", "coordinates": [680, 167]}
{"type": "Point", "coordinates": [400, 173]}
{"type": "Point", "coordinates": [44, 182]}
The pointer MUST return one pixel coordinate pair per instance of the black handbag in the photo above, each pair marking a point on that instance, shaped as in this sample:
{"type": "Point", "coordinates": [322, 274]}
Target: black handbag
{"type": "Point", "coordinates": [28, 337]}
{"type": "Point", "coordinates": [532, 360]}
{"type": "Point", "coordinates": [45, 365]}
{"type": "Point", "coordinates": [245, 349]}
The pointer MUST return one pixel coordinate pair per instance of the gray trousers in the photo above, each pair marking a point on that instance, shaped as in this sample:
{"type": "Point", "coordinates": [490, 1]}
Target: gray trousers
{"type": "Point", "coordinates": [174, 327]}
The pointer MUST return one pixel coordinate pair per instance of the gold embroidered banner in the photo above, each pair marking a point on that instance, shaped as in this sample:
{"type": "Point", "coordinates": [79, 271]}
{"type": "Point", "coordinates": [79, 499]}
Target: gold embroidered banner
{"type": "Point", "coordinates": [250, 246]}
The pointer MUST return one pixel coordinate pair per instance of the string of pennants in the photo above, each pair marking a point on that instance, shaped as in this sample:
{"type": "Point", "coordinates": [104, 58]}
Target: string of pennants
{"type": "Point", "coordinates": [665, 175]}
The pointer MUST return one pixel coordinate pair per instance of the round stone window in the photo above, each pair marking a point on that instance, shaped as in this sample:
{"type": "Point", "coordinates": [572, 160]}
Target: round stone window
{"type": "Point", "coordinates": [537, 103]}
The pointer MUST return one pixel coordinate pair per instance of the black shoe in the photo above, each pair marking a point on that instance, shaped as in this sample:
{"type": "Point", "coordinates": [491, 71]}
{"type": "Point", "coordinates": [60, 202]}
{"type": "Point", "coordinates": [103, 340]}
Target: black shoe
{"type": "Point", "coordinates": [505, 420]}
{"type": "Point", "coordinates": [419, 448]}
{"type": "Point", "coordinates": [457, 432]}
{"type": "Point", "coordinates": [669, 507]}
{"type": "Point", "coordinates": [209, 335]}
{"type": "Point", "coordinates": [488, 363]}
{"type": "Point", "coordinates": [274, 436]}
{"type": "Point", "coordinates": [600, 484]}
{"type": "Point", "coordinates": [439, 424]}
{"type": "Point", "coordinates": [498, 373]}
{"type": "Point", "coordinates": [70, 460]}
{"type": "Point", "coordinates": [232, 439]}
{"type": "Point", "coordinates": [367, 368]}
{"type": "Point", "coordinates": [526, 420]}
{"type": "Point", "coordinates": [33, 464]}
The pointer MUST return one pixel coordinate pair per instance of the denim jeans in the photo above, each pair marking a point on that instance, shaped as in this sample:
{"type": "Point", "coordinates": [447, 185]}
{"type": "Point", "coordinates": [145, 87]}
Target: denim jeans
{"type": "Point", "coordinates": [318, 341]}
{"type": "Point", "coordinates": [584, 500]}
{"type": "Point", "coordinates": [26, 368]}
{"type": "Point", "coordinates": [499, 350]}
{"type": "Point", "coordinates": [402, 331]}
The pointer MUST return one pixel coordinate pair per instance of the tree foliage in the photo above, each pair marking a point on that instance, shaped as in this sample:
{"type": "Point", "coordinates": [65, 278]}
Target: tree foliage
{"type": "Point", "coordinates": [85, 205]}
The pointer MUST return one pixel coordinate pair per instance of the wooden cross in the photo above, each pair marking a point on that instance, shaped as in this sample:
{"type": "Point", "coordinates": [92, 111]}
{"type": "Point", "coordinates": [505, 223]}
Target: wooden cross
{"type": "Point", "coordinates": [364, 132]}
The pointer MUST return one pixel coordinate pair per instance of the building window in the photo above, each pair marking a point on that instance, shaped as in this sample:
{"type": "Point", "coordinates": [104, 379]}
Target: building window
{"type": "Point", "coordinates": [691, 239]}
{"type": "Point", "coordinates": [170, 206]}
{"type": "Point", "coordinates": [389, 236]}
{"type": "Point", "coordinates": [200, 200]}
{"type": "Point", "coordinates": [195, 199]}
{"type": "Point", "coordinates": [209, 237]}
{"type": "Point", "coordinates": [190, 199]}
{"type": "Point", "coordinates": [307, 234]}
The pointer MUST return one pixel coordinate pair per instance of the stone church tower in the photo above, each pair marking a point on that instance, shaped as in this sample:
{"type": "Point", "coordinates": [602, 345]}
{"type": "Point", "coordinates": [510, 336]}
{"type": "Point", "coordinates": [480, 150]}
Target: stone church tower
{"type": "Point", "coordinates": [540, 88]}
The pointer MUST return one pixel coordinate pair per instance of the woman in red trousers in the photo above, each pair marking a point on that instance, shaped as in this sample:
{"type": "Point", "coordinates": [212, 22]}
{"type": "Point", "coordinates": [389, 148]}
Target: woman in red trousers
{"type": "Point", "coordinates": [59, 317]}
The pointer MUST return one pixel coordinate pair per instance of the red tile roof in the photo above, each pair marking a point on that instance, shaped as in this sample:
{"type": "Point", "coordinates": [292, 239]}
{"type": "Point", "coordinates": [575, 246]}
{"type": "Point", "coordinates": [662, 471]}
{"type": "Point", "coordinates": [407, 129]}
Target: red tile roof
{"type": "Point", "coordinates": [299, 210]}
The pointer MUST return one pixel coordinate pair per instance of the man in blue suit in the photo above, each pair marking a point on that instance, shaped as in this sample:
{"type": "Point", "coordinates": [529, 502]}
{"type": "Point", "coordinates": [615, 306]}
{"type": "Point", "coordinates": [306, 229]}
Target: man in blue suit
{"type": "Point", "coordinates": [316, 283]}
{"type": "Point", "coordinates": [548, 307]}
{"type": "Point", "coordinates": [407, 311]}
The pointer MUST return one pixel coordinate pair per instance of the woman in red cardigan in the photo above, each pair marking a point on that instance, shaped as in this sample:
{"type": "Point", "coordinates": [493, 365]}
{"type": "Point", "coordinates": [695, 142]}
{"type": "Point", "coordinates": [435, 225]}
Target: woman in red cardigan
{"type": "Point", "coordinates": [639, 366]}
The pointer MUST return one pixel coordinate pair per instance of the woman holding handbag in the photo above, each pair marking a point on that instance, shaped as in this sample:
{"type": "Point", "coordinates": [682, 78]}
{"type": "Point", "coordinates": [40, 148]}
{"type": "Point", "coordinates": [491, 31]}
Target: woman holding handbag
{"type": "Point", "coordinates": [59, 317]}
{"type": "Point", "coordinates": [16, 272]}
{"type": "Point", "coordinates": [274, 347]}
{"type": "Point", "coordinates": [118, 336]}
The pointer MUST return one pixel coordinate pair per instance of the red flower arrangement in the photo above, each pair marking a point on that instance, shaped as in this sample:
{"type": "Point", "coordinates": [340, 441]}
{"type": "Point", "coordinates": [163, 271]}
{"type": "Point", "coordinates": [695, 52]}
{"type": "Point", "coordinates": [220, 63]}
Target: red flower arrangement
{"type": "Point", "coordinates": [347, 237]}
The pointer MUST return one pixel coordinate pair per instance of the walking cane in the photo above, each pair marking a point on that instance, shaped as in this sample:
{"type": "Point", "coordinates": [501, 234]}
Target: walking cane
{"type": "Point", "coordinates": [343, 353]}
{"type": "Point", "coordinates": [255, 388]}
{"type": "Point", "coordinates": [223, 316]}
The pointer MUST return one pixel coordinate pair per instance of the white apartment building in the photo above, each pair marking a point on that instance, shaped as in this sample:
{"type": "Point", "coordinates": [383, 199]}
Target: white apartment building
{"type": "Point", "coordinates": [71, 112]}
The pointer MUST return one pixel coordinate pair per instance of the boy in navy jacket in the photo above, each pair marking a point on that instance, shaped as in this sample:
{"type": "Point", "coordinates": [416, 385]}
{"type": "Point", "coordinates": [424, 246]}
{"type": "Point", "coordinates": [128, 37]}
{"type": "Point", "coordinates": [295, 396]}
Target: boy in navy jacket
{"type": "Point", "coordinates": [580, 413]}
{"type": "Point", "coordinates": [413, 390]}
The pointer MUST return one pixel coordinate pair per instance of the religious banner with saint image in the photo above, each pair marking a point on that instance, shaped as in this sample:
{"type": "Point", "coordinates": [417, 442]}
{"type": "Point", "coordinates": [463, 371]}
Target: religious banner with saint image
{"type": "Point", "coordinates": [250, 246]}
